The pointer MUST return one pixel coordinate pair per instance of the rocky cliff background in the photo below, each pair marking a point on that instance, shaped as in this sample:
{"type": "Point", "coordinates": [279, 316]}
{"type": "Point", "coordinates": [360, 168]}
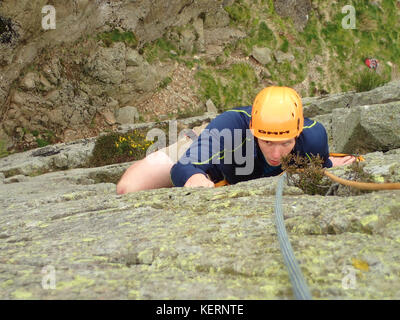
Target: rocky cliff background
{"type": "Point", "coordinates": [116, 66]}
{"type": "Point", "coordinates": [166, 59]}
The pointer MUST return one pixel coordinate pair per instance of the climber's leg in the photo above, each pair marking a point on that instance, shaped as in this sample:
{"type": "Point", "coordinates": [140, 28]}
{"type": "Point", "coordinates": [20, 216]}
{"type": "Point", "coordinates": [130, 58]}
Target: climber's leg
{"type": "Point", "coordinates": [151, 172]}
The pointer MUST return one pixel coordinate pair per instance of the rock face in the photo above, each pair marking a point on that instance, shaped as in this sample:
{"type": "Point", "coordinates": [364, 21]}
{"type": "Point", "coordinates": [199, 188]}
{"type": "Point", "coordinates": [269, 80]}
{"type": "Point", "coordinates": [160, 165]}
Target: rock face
{"type": "Point", "coordinates": [68, 235]}
{"type": "Point", "coordinates": [190, 243]}
{"type": "Point", "coordinates": [359, 122]}
{"type": "Point", "coordinates": [297, 10]}
{"type": "Point", "coordinates": [367, 128]}
{"type": "Point", "coordinates": [60, 80]}
{"type": "Point", "coordinates": [262, 55]}
{"type": "Point", "coordinates": [326, 104]}
{"type": "Point", "coordinates": [103, 55]}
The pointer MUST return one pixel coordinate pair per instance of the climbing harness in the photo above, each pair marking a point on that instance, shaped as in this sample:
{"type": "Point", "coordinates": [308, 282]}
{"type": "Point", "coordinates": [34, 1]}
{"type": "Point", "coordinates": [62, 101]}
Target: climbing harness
{"type": "Point", "coordinates": [359, 158]}
{"type": "Point", "coordinates": [221, 183]}
{"type": "Point", "coordinates": [300, 288]}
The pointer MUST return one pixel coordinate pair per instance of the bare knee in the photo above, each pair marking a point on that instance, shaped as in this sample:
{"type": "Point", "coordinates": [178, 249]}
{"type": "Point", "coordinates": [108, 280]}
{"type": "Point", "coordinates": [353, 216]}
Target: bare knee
{"type": "Point", "coordinates": [121, 188]}
{"type": "Point", "coordinates": [123, 184]}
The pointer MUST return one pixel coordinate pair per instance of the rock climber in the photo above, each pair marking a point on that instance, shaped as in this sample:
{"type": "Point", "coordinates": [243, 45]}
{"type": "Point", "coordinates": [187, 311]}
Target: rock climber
{"type": "Point", "coordinates": [240, 144]}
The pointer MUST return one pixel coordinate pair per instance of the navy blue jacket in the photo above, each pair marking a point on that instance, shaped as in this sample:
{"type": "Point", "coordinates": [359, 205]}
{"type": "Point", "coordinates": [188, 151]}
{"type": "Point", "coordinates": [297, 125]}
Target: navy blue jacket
{"type": "Point", "coordinates": [231, 152]}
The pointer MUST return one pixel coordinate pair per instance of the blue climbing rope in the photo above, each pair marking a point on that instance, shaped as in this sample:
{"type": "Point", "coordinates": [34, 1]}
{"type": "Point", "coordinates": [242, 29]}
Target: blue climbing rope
{"type": "Point", "coordinates": [300, 288]}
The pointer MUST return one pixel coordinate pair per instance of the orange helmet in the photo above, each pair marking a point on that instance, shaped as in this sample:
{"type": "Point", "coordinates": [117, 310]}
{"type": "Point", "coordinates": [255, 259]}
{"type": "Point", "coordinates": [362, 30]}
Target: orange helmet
{"type": "Point", "coordinates": [277, 114]}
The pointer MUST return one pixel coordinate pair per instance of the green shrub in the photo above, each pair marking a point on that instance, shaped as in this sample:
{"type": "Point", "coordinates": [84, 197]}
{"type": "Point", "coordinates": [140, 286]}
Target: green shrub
{"type": "Point", "coordinates": [118, 148]}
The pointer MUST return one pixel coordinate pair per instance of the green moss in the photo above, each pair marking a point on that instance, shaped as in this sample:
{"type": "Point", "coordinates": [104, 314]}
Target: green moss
{"type": "Point", "coordinates": [45, 138]}
{"type": "Point", "coordinates": [209, 86]}
{"type": "Point", "coordinates": [42, 143]}
{"type": "Point", "coordinates": [239, 12]}
{"type": "Point", "coordinates": [264, 33]}
{"type": "Point", "coordinates": [6, 283]}
{"type": "Point", "coordinates": [115, 35]}
{"type": "Point", "coordinates": [22, 294]}
{"type": "Point", "coordinates": [3, 149]}
{"type": "Point", "coordinates": [285, 46]}
{"type": "Point", "coordinates": [368, 219]}
{"type": "Point", "coordinates": [77, 282]}
{"type": "Point", "coordinates": [161, 49]}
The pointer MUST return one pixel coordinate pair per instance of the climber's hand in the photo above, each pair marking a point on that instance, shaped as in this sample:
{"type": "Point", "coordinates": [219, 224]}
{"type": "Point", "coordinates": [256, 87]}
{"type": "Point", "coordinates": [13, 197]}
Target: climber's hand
{"type": "Point", "coordinates": [199, 180]}
{"type": "Point", "coordinates": [340, 161]}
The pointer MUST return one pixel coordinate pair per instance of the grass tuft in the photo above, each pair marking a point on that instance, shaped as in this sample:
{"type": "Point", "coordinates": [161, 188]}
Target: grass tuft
{"type": "Point", "coordinates": [368, 80]}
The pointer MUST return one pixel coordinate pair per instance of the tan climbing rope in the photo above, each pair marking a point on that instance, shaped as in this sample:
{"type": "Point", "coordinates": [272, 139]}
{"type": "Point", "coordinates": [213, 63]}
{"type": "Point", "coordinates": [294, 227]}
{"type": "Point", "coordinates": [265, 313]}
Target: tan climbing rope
{"type": "Point", "coordinates": [363, 185]}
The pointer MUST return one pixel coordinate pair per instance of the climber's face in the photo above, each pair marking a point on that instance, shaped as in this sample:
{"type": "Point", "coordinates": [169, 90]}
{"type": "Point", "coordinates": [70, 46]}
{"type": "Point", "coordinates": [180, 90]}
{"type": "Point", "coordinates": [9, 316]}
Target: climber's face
{"type": "Point", "coordinates": [273, 151]}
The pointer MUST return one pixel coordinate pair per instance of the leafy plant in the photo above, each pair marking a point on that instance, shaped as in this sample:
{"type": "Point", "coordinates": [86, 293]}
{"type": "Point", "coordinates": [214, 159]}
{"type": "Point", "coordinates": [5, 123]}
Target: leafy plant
{"type": "Point", "coordinates": [42, 142]}
{"type": "Point", "coordinates": [355, 172]}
